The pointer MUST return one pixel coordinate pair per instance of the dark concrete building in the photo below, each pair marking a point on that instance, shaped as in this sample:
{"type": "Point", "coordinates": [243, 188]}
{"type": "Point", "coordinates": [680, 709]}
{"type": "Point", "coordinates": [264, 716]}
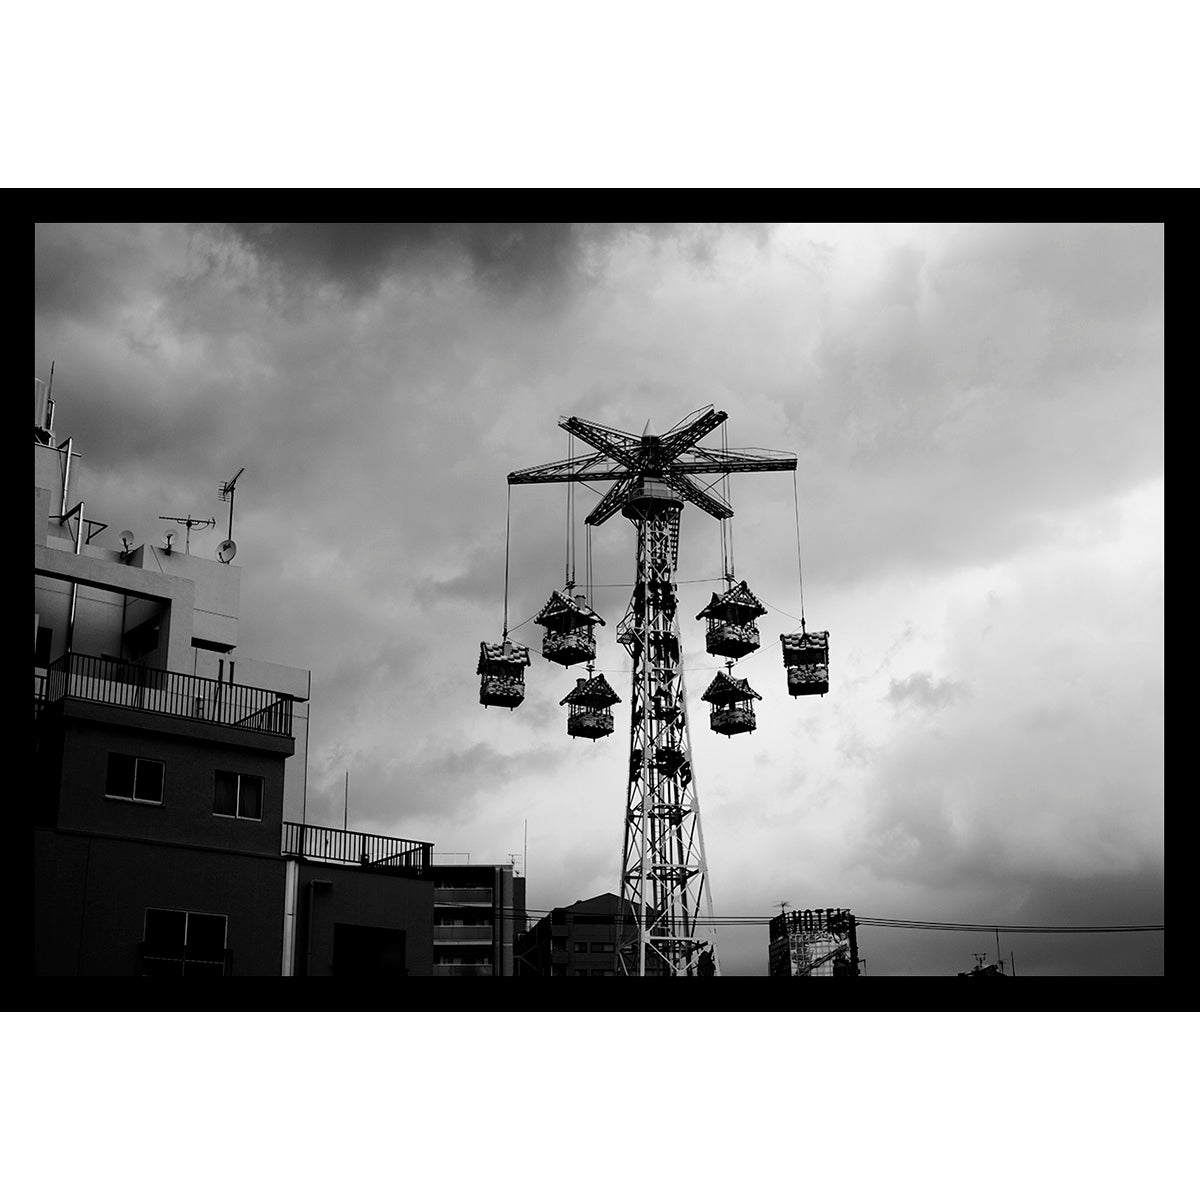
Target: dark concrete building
{"type": "Point", "coordinates": [477, 912]}
{"type": "Point", "coordinates": [583, 939]}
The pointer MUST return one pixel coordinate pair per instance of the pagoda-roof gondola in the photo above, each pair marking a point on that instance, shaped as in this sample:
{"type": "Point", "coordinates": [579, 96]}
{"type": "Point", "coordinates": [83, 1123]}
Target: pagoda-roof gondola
{"type": "Point", "coordinates": [732, 631]}
{"type": "Point", "coordinates": [732, 703]}
{"type": "Point", "coordinates": [570, 629]}
{"type": "Point", "coordinates": [502, 670]}
{"type": "Point", "coordinates": [806, 657]}
{"type": "Point", "coordinates": [590, 700]}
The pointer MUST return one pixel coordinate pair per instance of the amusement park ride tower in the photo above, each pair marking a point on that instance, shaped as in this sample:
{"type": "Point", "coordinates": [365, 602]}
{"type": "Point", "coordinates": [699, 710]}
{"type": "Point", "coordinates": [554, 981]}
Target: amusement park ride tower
{"type": "Point", "coordinates": [664, 875]}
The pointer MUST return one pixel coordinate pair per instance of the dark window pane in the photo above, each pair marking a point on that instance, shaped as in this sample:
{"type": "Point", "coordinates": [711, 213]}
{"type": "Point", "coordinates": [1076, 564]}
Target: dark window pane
{"type": "Point", "coordinates": [226, 798]}
{"type": "Point", "coordinates": [205, 935]}
{"type": "Point", "coordinates": [165, 928]}
{"type": "Point", "coordinates": [250, 804]}
{"type": "Point", "coordinates": [149, 782]}
{"type": "Point", "coordinates": [41, 649]}
{"type": "Point", "coordinates": [119, 781]}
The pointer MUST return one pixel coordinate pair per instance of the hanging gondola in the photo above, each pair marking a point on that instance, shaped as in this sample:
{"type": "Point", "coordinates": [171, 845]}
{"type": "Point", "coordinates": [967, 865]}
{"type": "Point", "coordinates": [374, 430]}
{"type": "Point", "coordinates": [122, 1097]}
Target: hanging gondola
{"type": "Point", "coordinates": [732, 628]}
{"type": "Point", "coordinates": [591, 701]}
{"type": "Point", "coordinates": [502, 673]}
{"type": "Point", "coordinates": [570, 629]}
{"type": "Point", "coordinates": [732, 703]}
{"type": "Point", "coordinates": [806, 657]}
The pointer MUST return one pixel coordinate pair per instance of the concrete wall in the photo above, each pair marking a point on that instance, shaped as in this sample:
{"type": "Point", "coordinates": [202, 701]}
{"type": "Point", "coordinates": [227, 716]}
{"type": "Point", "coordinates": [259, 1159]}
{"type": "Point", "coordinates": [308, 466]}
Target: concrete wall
{"type": "Point", "coordinates": [91, 895]}
{"type": "Point", "coordinates": [350, 895]}
{"type": "Point", "coordinates": [190, 763]}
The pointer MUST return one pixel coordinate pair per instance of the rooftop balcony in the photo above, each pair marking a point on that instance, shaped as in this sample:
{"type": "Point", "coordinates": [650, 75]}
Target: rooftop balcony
{"type": "Point", "coordinates": [318, 843]}
{"type": "Point", "coordinates": [129, 685]}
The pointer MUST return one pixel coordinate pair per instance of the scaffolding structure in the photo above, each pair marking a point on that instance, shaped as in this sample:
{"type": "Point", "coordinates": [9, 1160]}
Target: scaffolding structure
{"type": "Point", "coordinates": [664, 873]}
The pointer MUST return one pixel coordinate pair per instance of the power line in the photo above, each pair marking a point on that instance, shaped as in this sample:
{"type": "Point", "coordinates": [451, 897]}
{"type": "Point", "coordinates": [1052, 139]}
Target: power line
{"type": "Point", "coordinates": [884, 923]}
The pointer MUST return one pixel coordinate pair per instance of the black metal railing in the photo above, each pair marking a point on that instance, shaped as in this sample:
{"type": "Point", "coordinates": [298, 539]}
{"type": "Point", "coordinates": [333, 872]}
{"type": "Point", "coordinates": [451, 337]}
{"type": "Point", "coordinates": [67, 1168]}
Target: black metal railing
{"type": "Point", "coordinates": [461, 895]}
{"type": "Point", "coordinates": [462, 933]}
{"type": "Point", "coordinates": [149, 689]}
{"type": "Point", "coordinates": [322, 844]}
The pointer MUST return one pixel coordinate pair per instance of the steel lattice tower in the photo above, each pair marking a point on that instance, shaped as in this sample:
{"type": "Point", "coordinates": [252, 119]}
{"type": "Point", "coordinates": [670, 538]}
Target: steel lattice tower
{"type": "Point", "coordinates": [664, 874]}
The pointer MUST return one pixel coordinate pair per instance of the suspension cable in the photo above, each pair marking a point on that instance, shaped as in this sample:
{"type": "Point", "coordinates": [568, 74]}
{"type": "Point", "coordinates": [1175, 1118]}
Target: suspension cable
{"type": "Point", "coordinates": [570, 565]}
{"type": "Point", "coordinates": [799, 563]}
{"type": "Point", "coordinates": [507, 538]}
{"type": "Point", "coordinates": [727, 523]}
{"type": "Point", "coordinates": [587, 546]}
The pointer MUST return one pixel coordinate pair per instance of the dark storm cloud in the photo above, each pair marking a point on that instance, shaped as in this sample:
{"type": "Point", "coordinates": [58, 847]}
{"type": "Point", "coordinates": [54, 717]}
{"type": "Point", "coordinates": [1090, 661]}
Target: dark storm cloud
{"type": "Point", "coordinates": [358, 255]}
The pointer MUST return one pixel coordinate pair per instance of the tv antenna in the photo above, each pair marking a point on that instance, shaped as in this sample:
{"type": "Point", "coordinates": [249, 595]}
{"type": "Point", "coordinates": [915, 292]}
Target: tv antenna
{"type": "Point", "coordinates": [226, 493]}
{"type": "Point", "coordinates": [191, 523]}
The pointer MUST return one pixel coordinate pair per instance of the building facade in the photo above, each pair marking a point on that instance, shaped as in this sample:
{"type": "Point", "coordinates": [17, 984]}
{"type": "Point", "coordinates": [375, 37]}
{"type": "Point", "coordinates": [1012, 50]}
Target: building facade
{"type": "Point", "coordinates": [164, 763]}
{"type": "Point", "coordinates": [587, 938]}
{"type": "Point", "coordinates": [478, 910]}
{"type": "Point", "coordinates": [813, 942]}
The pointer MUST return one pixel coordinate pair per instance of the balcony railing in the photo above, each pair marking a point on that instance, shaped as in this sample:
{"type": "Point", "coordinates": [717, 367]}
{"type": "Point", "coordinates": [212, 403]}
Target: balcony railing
{"type": "Point", "coordinates": [462, 968]}
{"type": "Point", "coordinates": [462, 895]}
{"type": "Point", "coordinates": [462, 933]}
{"type": "Point", "coordinates": [318, 843]}
{"type": "Point", "coordinates": [170, 693]}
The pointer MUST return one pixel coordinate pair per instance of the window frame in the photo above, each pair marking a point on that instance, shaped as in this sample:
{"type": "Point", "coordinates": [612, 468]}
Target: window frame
{"type": "Point", "coordinates": [237, 814]}
{"type": "Point", "coordinates": [136, 759]}
{"type": "Point", "coordinates": [178, 952]}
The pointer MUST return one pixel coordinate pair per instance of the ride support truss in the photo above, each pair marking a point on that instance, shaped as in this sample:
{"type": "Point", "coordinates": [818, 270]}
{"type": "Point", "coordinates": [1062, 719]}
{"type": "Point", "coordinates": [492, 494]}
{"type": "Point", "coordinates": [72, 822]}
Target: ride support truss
{"type": "Point", "coordinates": [664, 874]}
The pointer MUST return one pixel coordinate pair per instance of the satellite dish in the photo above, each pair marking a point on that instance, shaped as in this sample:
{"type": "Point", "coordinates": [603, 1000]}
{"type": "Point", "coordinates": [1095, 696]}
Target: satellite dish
{"type": "Point", "coordinates": [226, 550]}
{"type": "Point", "coordinates": [127, 539]}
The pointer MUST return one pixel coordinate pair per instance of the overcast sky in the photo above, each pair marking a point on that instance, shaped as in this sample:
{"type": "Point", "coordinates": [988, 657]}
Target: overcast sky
{"type": "Point", "coordinates": [977, 411]}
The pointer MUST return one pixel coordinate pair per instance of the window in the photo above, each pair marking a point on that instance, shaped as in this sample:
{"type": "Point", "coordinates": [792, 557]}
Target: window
{"type": "Point", "coordinates": [183, 943]}
{"type": "Point", "coordinates": [238, 796]}
{"type": "Point", "coordinates": [579, 947]}
{"type": "Point", "coordinates": [41, 646]}
{"type": "Point", "coordinates": [135, 779]}
{"type": "Point", "coordinates": [601, 972]}
{"type": "Point", "coordinates": [603, 947]}
{"type": "Point", "coordinates": [141, 641]}
{"type": "Point", "coordinates": [369, 951]}
{"type": "Point", "coordinates": [578, 972]}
